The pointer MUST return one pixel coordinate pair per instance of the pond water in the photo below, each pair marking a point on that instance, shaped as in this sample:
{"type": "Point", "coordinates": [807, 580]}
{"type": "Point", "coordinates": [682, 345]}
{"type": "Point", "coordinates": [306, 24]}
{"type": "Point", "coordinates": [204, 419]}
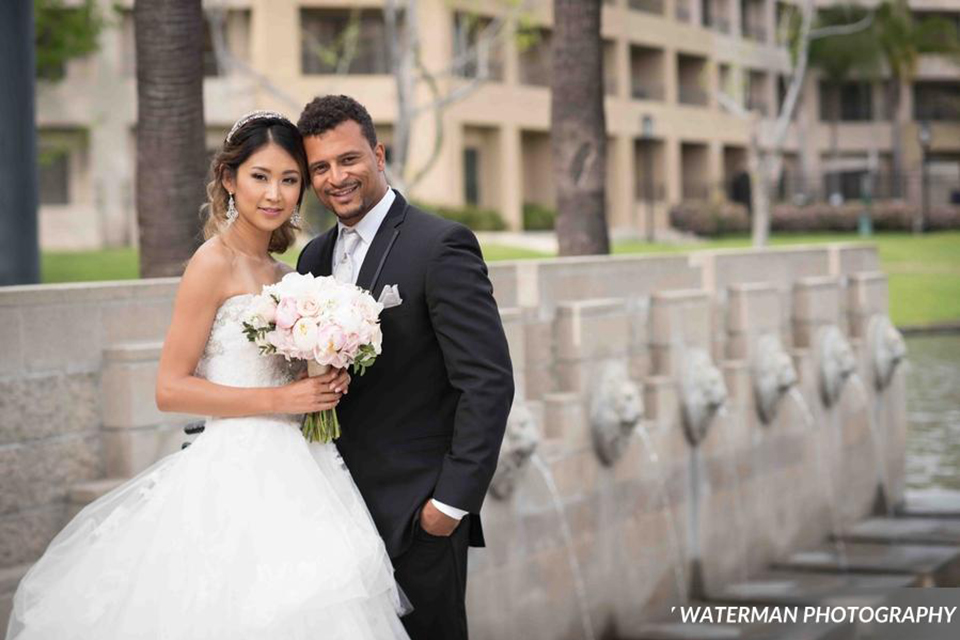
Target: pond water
{"type": "Point", "coordinates": [933, 413]}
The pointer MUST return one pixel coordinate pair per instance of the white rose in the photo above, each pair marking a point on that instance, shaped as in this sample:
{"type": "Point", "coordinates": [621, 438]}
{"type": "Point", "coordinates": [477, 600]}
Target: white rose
{"type": "Point", "coordinates": [265, 309]}
{"type": "Point", "coordinates": [305, 334]}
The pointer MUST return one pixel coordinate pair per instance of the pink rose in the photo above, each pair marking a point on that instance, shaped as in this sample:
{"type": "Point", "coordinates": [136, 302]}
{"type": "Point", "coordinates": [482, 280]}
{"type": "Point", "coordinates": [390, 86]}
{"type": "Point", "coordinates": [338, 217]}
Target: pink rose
{"type": "Point", "coordinates": [330, 339]}
{"type": "Point", "coordinates": [309, 304]}
{"type": "Point", "coordinates": [287, 315]}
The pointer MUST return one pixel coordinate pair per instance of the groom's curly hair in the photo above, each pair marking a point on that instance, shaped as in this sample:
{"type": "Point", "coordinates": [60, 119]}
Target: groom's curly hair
{"type": "Point", "coordinates": [326, 112]}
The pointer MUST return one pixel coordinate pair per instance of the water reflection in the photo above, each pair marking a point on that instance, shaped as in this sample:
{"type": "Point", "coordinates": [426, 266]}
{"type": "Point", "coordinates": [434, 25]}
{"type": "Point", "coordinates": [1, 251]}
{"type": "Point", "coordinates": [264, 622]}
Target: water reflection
{"type": "Point", "coordinates": [933, 413]}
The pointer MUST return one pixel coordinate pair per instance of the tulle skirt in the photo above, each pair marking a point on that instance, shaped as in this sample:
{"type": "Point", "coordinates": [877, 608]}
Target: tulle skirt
{"type": "Point", "coordinates": [250, 533]}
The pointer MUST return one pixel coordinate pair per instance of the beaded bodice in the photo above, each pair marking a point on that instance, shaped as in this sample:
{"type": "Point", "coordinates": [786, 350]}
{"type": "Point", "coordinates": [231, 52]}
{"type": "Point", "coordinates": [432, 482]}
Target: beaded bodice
{"type": "Point", "coordinates": [230, 359]}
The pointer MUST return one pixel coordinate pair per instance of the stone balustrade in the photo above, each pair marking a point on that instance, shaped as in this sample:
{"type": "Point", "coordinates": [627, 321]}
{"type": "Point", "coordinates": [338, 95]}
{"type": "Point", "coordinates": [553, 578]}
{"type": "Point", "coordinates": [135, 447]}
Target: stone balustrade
{"type": "Point", "coordinates": [681, 420]}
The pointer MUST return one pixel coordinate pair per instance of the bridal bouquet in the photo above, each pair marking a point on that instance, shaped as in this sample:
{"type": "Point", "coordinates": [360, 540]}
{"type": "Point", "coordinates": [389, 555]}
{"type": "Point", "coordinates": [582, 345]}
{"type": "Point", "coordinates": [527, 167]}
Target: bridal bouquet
{"type": "Point", "coordinates": [325, 322]}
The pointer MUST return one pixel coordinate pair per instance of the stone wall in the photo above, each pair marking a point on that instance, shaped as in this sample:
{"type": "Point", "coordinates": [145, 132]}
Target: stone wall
{"type": "Point", "coordinates": [639, 467]}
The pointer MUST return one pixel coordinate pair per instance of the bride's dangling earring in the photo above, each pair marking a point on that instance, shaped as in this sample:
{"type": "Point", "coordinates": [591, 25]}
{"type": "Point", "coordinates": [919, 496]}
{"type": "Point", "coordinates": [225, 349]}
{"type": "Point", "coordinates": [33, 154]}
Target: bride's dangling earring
{"type": "Point", "coordinates": [231, 211]}
{"type": "Point", "coordinates": [296, 219]}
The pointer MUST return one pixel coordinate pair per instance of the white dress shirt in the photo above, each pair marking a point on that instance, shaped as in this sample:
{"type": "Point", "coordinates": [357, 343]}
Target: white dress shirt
{"type": "Point", "coordinates": [367, 229]}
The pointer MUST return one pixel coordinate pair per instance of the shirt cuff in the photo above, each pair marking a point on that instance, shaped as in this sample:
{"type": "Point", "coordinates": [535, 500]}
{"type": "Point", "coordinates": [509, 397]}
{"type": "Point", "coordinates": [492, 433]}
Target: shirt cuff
{"type": "Point", "coordinates": [453, 512]}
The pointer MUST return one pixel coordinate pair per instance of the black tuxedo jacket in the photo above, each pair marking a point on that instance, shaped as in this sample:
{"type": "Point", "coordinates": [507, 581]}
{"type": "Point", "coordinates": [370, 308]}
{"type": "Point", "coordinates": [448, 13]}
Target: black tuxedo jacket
{"type": "Point", "coordinates": [427, 419]}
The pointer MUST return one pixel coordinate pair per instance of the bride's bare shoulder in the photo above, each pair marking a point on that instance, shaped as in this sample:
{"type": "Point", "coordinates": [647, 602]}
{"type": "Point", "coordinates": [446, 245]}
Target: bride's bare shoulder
{"type": "Point", "coordinates": [210, 268]}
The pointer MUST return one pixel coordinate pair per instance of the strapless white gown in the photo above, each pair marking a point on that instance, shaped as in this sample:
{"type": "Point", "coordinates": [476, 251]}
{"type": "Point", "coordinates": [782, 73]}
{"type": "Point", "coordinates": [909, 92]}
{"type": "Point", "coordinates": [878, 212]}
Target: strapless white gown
{"type": "Point", "coordinates": [250, 533]}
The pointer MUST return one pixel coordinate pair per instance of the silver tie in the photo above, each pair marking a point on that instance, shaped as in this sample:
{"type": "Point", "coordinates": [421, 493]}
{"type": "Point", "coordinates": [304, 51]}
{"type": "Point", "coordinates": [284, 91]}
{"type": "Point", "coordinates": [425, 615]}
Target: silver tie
{"type": "Point", "coordinates": [343, 270]}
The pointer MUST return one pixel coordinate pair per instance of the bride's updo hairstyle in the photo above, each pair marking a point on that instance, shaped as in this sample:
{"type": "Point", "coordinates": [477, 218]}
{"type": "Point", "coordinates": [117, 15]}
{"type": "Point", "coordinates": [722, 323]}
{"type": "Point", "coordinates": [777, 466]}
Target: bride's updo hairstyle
{"type": "Point", "coordinates": [249, 135]}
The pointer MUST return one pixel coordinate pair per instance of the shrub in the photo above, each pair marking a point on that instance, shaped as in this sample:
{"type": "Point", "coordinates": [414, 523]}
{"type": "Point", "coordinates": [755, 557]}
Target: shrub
{"type": "Point", "coordinates": [709, 218]}
{"type": "Point", "coordinates": [537, 217]}
{"type": "Point", "coordinates": [887, 215]}
{"type": "Point", "coordinates": [474, 218]}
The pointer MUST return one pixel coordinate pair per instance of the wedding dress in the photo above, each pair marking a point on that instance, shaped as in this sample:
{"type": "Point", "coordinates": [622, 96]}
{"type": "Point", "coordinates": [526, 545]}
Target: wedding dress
{"type": "Point", "coordinates": [250, 533]}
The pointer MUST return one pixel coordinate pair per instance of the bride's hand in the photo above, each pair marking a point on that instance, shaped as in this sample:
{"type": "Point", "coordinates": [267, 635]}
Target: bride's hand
{"type": "Point", "coordinates": [308, 395]}
{"type": "Point", "coordinates": [338, 379]}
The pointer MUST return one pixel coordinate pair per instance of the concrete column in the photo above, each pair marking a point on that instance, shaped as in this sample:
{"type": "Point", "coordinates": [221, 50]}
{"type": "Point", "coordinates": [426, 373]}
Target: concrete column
{"type": "Point", "coordinates": [135, 432]}
{"type": "Point", "coordinates": [622, 203]}
{"type": "Point", "coordinates": [511, 56]}
{"type": "Point", "coordinates": [274, 58]}
{"type": "Point", "coordinates": [511, 177]}
{"type": "Point", "coordinates": [736, 19]}
{"type": "Point", "coordinates": [715, 169]}
{"type": "Point", "coordinates": [770, 19]}
{"type": "Point", "coordinates": [111, 169]}
{"type": "Point", "coordinates": [113, 180]}
{"type": "Point", "coordinates": [622, 57]}
{"type": "Point", "coordinates": [671, 80]}
{"type": "Point", "coordinates": [679, 320]}
{"type": "Point", "coordinates": [809, 126]}
{"type": "Point", "coordinates": [674, 172]}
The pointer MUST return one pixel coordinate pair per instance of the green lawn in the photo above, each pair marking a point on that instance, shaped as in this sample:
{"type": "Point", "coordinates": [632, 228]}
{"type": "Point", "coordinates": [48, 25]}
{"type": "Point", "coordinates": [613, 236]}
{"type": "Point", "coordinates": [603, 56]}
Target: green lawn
{"type": "Point", "coordinates": [924, 271]}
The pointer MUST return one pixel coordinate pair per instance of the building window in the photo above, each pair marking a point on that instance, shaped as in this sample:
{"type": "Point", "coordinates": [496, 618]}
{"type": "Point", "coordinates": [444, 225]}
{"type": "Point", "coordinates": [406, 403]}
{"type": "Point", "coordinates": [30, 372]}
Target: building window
{"type": "Point", "coordinates": [936, 101]}
{"type": "Point", "coordinates": [471, 175]}
{"type": "Point", "coordinates": [343, 41]}
{"type": "Point", "coordinates": [848, 101]}
{"type": "Point", "coordinates": [54, 178]}
{"type": "Point", "coordinates": [477, 47]}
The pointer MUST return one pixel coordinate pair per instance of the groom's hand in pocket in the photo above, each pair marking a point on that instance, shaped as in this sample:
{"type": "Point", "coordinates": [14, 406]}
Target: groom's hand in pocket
{"type": "Point", "coordinates": [435, 522]}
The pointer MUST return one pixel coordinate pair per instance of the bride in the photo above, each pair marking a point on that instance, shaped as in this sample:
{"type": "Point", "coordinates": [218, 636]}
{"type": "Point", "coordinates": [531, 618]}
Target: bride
{"type": "Point", "coordinates": [250, 533]}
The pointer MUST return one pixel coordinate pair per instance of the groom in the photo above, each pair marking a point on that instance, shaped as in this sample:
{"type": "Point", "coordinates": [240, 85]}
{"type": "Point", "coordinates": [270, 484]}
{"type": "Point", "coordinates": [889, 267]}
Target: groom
{"type": "Point", "coordinates": [422, 428]}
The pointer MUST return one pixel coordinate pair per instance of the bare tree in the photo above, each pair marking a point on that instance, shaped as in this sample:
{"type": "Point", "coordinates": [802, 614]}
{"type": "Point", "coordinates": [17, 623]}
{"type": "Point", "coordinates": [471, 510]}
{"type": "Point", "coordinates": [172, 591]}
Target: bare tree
{"type": "Point", "coordinates": [765, 157]}
{"type": "Point", "coordinates": [170, 132]}
{"type": "Point", "coordinates": [578, 138]}
{"type": "Point", "coordinates": [443, 87]}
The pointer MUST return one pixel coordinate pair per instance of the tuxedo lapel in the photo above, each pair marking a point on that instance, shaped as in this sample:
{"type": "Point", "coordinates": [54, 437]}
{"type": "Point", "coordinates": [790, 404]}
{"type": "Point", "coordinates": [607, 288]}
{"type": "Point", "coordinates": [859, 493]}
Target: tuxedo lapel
{"type": "Point", "coordinates": [325, 266]}
{"type": "Point", "coordinates": [382, 244]}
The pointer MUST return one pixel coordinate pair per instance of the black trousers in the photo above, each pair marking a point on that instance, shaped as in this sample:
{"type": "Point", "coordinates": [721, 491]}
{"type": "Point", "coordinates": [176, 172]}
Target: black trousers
{"type": "Point", "coordinates": [433, 575]}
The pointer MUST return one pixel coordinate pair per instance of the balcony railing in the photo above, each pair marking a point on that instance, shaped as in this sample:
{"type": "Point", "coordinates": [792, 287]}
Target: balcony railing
{"type": "Point", "coordinates": [682, 11]}
{"type": "Point", "coordinates": [647, 6]}
{"type": "Point", "coordinates": [693, 95]}
{"type": "Point", "coordinates": [647, 91]}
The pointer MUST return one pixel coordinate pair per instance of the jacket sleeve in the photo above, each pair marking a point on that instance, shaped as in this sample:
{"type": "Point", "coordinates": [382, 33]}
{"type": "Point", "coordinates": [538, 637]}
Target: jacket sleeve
{"type": "Point", "coordinates": [467, 325]}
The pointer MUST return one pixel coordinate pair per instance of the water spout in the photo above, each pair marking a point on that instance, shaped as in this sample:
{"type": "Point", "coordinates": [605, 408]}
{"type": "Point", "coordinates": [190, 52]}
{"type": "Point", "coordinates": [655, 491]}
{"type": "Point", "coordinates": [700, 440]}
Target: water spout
{"type": "Point", "coordinates": [883, 476]}
{"type": "Point", "coordinates": [826, 475]}
{"type": "Point", "coordinates": [678, 572]}
{"type": "Point", "coordinates": [579, 586]}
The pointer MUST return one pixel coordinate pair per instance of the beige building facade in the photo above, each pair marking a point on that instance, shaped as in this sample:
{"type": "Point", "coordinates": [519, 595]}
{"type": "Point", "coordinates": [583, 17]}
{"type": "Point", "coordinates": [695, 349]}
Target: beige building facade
{"type": "Point", "coordinates": [667, 64]}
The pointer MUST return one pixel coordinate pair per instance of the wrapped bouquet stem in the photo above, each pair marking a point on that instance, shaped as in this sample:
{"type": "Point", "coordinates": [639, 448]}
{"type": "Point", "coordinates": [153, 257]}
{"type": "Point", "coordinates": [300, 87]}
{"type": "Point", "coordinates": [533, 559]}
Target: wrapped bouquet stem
{"type": "Point", "coordinates": [325, 322]}
{"type": "Point", "coordinates": [320, 426]}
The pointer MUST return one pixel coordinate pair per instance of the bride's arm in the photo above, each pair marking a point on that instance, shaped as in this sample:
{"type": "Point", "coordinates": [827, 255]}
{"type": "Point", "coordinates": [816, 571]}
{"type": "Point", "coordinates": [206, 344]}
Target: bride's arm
{"type": "Point", "coordinates": [179, 390]}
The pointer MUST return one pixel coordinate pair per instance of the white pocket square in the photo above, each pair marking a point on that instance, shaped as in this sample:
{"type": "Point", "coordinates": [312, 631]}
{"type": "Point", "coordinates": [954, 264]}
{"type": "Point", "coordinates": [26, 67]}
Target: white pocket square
{"type": "Point", "coordinates": [390, 296]}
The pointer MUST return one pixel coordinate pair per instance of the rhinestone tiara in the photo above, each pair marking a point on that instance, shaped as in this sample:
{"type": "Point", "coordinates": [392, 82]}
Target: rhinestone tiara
{"type": "Point", "coordinates": [255, 115]}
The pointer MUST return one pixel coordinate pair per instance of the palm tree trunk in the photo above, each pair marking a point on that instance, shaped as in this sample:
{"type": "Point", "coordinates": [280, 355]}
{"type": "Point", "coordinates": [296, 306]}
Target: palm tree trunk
{"type": "Point", "coordinates": [170, 132]}
{"type": "Point", "coordinates": [578, 137]}
{"type": "Point", "coordinates": [834, 187]}
{"type": "Point", "coordinates": [896, 147]}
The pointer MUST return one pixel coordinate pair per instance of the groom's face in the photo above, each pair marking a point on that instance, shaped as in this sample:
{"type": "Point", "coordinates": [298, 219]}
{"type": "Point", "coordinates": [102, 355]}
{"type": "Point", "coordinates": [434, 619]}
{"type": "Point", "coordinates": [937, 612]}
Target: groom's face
{"type": "Point", "coordinates": [345, 171]}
